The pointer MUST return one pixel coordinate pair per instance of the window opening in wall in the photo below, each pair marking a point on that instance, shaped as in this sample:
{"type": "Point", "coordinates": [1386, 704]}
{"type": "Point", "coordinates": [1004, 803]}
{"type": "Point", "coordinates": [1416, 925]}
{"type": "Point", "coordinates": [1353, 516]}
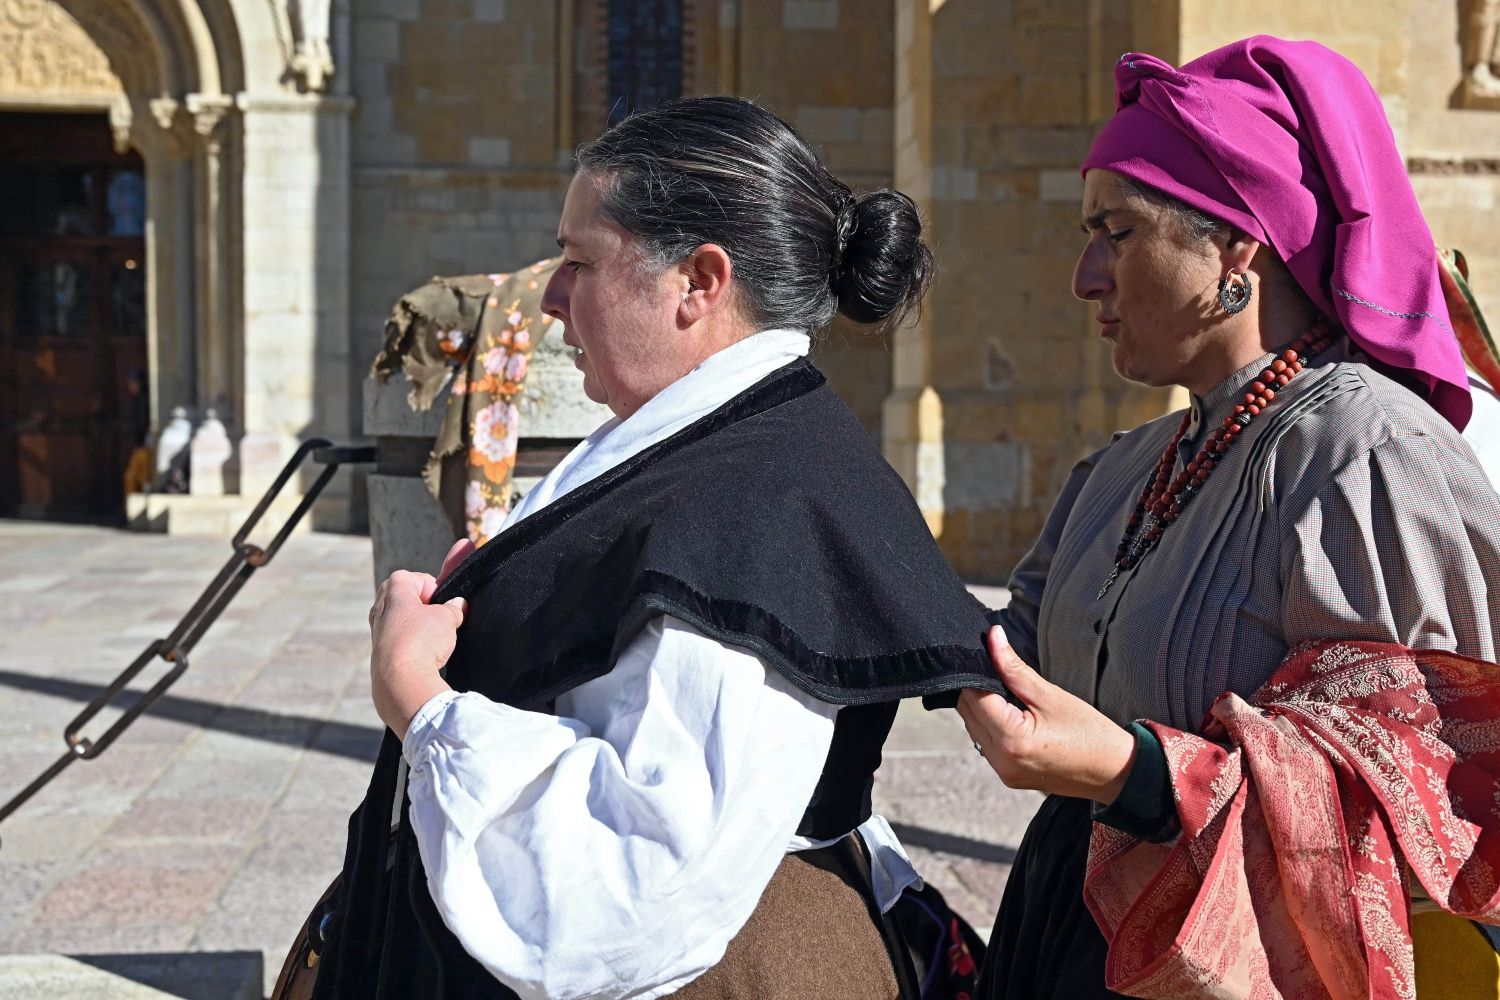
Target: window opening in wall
{"type": "Point", "coordinates": [645, 55]}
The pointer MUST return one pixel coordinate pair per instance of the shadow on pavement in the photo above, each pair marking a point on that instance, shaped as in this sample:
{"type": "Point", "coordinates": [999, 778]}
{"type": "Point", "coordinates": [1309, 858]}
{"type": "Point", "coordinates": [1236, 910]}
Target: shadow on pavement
{"type": "Point", "coordinates": [205, 975]}
{"type": "Point", "coordinates": [343, 739]}
{"type": "Point", "coordinates": [948, 843]}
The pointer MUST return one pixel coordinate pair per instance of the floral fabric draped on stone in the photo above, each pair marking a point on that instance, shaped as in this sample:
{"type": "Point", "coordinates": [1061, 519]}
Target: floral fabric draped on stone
{"type": "Point", "coordinates": [480, 331]}
{"type": "Point", "coordinates": [1360, 773]}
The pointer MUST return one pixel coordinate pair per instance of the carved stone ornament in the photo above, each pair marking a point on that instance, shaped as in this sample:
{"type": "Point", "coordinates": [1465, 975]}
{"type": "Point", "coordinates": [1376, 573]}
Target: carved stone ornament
{"type": "Point", "coordinates": [175, 123]}
{"type": "Point", "coordinates": [1481, 85]}
{"type": "Point", "coordinates": [210, 119]}
{"type": "Point", "coordinates": [43, 50]}
{"type": "Point", "coordinates": [121, 117]}
{"type": "Point", "coordinates": [302, 28]}
{"type": "Point", "coordinates": [1453, 166]}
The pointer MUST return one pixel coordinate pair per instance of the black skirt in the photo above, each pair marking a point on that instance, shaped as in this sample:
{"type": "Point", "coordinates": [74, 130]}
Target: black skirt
{"type": "Point", "coordinates": [1045, 945]}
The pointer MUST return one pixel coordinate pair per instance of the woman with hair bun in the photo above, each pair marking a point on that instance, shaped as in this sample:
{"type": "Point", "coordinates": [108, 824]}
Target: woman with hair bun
{"type": "Point", "coordinates": [646, 768]}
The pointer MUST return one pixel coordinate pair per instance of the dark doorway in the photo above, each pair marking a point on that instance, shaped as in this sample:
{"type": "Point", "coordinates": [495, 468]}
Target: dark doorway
{"type": "Point", "coordinates": [72, 317]}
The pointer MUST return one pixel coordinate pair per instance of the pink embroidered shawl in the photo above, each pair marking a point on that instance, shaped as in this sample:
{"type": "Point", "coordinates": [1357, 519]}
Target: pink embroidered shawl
{"type": "Point", "coordinates": [1361, 770]}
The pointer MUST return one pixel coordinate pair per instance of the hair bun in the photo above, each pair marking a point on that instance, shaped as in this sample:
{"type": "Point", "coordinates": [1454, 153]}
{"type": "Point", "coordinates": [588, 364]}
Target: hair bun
{"type": "Point", "coordinates": [881, 267]}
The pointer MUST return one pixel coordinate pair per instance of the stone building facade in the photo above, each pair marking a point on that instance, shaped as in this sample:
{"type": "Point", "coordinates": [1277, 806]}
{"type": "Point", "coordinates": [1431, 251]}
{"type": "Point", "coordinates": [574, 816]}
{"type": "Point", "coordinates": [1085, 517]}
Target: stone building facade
{"type": "Point", "coordinates": [301, 163]}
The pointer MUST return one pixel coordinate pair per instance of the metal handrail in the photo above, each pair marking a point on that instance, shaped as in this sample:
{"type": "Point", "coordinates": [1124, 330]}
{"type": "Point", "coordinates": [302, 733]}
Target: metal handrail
{"type": "Point", "coordinates": [174, 648]}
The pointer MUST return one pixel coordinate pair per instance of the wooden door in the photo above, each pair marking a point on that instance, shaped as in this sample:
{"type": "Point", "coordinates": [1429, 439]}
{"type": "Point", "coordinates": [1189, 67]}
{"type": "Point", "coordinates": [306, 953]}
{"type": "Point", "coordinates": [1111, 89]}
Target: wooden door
{"type": "Point", "coordinates": [72, 317]}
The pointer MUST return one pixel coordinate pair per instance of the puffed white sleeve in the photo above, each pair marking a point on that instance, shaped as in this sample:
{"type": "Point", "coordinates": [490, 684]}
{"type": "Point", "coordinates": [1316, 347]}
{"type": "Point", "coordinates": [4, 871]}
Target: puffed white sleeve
{"type": "Point", "coordinates": [614, 849]}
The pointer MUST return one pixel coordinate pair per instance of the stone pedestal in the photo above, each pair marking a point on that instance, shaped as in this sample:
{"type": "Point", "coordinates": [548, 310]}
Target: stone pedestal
{"type": "Point", "coordinates": [553, 404]}
{"type": "Point", "coordinates": [173, 441]}
{"type": "Point", "coordinates": [221, 517]}
{"type": "Point", "coordinates": [407, 526]}
{"type": "Point", "coordinates": [211, 458]}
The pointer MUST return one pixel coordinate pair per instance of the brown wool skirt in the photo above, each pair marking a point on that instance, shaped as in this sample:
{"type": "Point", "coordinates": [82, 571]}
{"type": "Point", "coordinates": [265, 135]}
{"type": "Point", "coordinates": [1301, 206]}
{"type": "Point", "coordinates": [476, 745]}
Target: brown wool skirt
{"type": "Point", "coordinates": [815, 933]}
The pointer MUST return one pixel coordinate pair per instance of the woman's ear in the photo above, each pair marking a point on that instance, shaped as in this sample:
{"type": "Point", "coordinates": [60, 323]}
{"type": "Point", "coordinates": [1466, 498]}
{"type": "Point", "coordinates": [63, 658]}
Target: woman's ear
{"type": "Point", "coordinates": [707, 273]}
{"type": "Point", "coordinates": [1239, 251]}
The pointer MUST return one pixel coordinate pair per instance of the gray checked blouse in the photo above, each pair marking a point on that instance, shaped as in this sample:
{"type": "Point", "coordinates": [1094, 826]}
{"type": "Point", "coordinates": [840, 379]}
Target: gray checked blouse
{"type": "Point", "coordinates": [1349, 509]}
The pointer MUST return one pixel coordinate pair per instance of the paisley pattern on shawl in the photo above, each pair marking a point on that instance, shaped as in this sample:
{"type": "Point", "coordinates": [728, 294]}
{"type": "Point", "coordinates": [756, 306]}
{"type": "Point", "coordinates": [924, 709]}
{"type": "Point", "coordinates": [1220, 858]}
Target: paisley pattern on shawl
{"type": "Point", "coordinates": [1361, 774]}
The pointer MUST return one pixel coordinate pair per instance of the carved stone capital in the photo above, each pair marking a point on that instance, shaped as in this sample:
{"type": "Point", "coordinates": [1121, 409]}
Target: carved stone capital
{"type": "Point", "coordinates": [173, 121]}
{"type": "Point", "coordinates": [121, 118]}
{"type": "Point", "coordinates": [166, 112]}
{"type": "Point", "coordinates": [210, 114]}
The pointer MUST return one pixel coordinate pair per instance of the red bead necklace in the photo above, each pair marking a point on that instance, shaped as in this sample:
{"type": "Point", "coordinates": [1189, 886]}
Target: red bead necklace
{"type": "Point", "coordinates": [1164, 496]}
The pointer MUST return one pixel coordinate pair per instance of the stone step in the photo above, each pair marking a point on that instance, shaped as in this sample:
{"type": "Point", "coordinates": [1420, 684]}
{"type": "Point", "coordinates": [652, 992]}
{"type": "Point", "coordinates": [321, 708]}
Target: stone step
{"type": "Point", "coordinates": [222, 975]}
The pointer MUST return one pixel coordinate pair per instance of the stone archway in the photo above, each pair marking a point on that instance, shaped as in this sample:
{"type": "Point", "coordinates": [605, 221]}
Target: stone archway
{"type": "Point", "coordinates": [163, 70]}
{"type": "Point", "coordinates": [243, 130]}
{"type": "Point", "coordinates": [178, 75]}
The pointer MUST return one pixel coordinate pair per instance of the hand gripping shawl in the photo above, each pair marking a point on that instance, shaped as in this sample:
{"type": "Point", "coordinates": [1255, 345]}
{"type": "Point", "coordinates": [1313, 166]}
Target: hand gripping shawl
{"type": "Point", "coordinates": [772, 524]}
{"type": "Point", "coordinates": [1360, 771]}
{"type": "Point", "coordinates": [1289, 142]}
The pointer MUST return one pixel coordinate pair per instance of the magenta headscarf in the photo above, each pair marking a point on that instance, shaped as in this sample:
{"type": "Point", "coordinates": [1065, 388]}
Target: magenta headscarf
{"type": "Point", "coordinates": [1289, 142]}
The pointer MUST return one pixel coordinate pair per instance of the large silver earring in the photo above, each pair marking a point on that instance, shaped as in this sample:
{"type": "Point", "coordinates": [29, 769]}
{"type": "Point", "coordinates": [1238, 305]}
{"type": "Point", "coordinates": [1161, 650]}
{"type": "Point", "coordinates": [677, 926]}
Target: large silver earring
{"type": "Point", "coordinates": [1234, 296]}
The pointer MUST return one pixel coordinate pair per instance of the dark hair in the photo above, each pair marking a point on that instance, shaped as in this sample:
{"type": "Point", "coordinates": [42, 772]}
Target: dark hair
{"type": "Point", "coordinates": [723, 170]}
{"type": "Point", "coordinates": [1195, 225]}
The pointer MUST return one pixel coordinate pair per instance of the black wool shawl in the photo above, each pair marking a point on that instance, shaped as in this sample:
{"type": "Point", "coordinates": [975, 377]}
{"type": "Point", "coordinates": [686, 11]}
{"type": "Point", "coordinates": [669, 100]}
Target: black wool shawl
{"type": "Point", "coordinates": [772, 524]}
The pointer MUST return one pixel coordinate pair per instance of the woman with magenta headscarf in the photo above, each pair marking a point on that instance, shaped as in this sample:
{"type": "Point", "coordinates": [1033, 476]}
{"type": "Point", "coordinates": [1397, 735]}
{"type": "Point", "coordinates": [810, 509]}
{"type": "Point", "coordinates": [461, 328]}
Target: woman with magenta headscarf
{"type": "Point", "coordinates": [1262, 706]}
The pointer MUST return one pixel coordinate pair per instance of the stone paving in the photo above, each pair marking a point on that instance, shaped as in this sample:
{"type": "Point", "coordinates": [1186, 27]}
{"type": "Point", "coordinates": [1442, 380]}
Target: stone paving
{"type": "Point", "coordinates": [214, 823]}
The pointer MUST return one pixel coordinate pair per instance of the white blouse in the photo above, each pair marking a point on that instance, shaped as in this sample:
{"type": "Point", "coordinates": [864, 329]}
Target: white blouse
{"type": "Point", "coordinates": [614, 849]}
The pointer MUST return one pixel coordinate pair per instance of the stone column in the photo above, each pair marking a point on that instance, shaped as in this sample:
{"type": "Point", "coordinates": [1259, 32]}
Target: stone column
{"type": "Point", "coordinates": [295, 376]}
{"type": "Point", "coordinates": [161, 133]}
{"type": "Point", "coordinates": [212, 125]}
{"type": "Point", "coordinates": [212, 454]}
{"type": "Point", "coordinates": [728, 54]}
{"type": "Point", "coordinates": [912, 417]}
{"type": "Point", "coordinates": [1006, 384]}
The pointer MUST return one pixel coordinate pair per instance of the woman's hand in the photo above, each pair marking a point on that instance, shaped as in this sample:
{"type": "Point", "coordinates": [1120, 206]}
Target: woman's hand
{"type": "Point", "coordinates": [412, 639]}
{"type": "Point", "coordinates": [1058, 744]}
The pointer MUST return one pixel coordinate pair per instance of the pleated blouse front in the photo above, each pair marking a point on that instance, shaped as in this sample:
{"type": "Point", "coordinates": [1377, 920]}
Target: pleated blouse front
{"type": "Point", "coordinates": [1348, 509]}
